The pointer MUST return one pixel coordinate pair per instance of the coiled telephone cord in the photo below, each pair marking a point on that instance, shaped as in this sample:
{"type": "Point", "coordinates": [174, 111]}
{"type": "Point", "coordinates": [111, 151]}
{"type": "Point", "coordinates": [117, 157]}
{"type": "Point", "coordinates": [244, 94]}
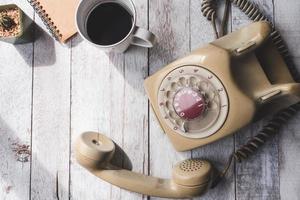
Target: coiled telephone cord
{"type": "Point", "coordinates": [274, 125]}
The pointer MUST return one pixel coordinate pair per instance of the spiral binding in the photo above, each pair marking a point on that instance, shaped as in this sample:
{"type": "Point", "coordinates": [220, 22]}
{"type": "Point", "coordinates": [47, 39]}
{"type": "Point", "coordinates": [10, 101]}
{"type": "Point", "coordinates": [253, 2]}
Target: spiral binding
{"type": "Point", "coordinates": [46, 19]}
{"type": "Point", "coordinates": [274, 125]}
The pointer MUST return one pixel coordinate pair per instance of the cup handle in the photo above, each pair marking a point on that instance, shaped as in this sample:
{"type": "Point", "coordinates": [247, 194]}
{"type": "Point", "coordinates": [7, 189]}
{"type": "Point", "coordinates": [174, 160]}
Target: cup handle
{"type": "Point", "coordinates": [143, 38]}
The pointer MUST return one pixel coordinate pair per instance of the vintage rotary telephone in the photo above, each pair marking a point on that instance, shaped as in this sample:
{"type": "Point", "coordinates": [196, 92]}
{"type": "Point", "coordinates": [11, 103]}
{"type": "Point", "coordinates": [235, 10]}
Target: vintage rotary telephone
{"type": "Point", "coordinates": [222, 87]}
{"type": "Point", "coordinates": [203, 97]}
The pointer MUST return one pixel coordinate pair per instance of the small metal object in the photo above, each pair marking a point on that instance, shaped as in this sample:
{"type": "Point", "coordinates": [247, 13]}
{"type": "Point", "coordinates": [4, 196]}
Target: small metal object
{"type": "Point", "coordinates": [269, 95]}
{"type": "Point", "coordinates": [245, 47]}
{"type": "Point", "coordinates": [185, 127]}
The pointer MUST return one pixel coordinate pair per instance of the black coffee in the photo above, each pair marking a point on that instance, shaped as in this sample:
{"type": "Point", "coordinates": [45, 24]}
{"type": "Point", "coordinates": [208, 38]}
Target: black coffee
{"type": "Point", "coordinates": [108, 23]}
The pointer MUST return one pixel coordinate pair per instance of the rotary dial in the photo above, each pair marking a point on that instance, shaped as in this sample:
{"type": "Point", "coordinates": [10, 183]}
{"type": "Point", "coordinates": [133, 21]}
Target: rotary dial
{"type": "Point", "coordinates": [193, 101]}
{"type": "Point", "coordinates": [189, 103]}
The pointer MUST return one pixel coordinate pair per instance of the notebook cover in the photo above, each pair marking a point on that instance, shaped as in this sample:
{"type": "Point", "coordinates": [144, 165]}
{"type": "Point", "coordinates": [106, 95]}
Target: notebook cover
{"type": "Point", "coordinates": [62, 14]}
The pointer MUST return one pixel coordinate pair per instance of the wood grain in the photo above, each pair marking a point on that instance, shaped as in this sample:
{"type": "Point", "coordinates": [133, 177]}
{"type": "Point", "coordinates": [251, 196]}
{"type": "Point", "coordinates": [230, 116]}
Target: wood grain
{"type": "Point", "coordinates": [15, 116]}
{"type": "Point", "coordinates": [108, 96]}
{"type": "Point", "coordinates": [135, 135]}
{"type": "Point", "coordinates": [51, 93]}
{"type": "Point", "coordinates": [218, 152]}
{"type": "Point", "coordinates": [169, 20]}
{"type": "Point", "coordinates": [51, 119]}
{"type": "Point", "coordinates": [257, 177]}
{"type": "Point", "coordinates": [131, 132]}
{"type": "Point", "coordinates": [287, 22]}
{"type": "Point", "coordinates": [89, 112]}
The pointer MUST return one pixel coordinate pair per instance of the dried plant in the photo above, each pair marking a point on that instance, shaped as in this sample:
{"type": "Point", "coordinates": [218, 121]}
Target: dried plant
{"type": "Point", "coordinates": [6, 22]}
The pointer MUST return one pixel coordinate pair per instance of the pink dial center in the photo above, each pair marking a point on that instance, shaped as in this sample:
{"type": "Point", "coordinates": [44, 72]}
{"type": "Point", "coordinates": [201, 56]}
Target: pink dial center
{"type": "Point", "coordinates": [189, 103]}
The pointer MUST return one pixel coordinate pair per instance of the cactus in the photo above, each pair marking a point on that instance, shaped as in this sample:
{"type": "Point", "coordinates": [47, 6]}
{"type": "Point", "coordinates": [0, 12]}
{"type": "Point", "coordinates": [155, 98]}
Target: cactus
{"type": "Point", "coordinates": [15, 26]}
{"type": "Point", "coordinates": [6, 22]}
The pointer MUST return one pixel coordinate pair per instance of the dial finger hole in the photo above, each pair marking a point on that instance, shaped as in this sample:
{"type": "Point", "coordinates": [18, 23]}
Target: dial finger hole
{"type": "Point", "coordinates": [193, 81]}
{"type": "Point", "coordinates": [213, 105]}
{"type": "Point", "coordinates": [174, 86]}
{"type": "Point", "coordinates": [203, 85]}
{"type": "Point", "coordinates": [187, 83]}
{"type": "Point", "coordinates": [169, 105]}
{"type": "Point", "coordinates": [211, 95]}
{"type": "Point", "coordinates": [173, 115]}
{"type": "Point", "coordinates": [169, 94]}
{"type": "Point", "coordinates": [178, 122]}
{"type": "Point", "coordinates": [182, 81]}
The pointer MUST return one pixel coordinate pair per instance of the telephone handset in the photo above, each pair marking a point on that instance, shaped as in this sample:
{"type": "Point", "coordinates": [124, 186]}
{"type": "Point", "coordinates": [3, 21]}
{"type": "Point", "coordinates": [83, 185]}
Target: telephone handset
{"type": "Point", "coordinates": [190, 178]}
{"type": "Point", "coordinates": [221, 87]}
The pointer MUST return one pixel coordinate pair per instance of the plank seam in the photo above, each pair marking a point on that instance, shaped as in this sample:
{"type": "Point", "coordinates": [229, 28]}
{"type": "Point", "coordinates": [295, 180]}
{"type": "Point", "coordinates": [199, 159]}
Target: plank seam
{"type": "Point", "coordinates": [70, 119]}
{"type": "Point", "coordinates": [31, 114]}
{"type": "Point", "coordinates": [278, 137]}
{"type": "Point", "coordinates": [148, 112]}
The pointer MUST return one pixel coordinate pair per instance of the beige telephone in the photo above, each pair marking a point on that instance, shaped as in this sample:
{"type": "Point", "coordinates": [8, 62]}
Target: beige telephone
{"type": "Point", "coordinates": [221, 87]}
{"type": "Point", "coordinates": [199, 99]}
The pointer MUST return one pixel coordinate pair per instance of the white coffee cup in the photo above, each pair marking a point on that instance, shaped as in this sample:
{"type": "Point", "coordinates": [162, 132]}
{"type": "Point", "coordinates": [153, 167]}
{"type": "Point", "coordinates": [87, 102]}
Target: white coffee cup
{"type": "Point", "coordinates": [136, 36]}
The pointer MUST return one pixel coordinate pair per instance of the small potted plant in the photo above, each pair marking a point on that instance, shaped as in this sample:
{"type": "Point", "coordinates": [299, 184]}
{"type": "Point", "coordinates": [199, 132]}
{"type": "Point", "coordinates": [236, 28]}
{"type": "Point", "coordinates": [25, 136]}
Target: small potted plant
{"type": "Point", "coordinates": [15, 25]}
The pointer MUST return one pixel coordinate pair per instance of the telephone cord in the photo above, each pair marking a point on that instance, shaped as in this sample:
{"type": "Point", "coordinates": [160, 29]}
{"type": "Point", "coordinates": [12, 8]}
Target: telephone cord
{"type": "Point", "coordinates": [208, 9]}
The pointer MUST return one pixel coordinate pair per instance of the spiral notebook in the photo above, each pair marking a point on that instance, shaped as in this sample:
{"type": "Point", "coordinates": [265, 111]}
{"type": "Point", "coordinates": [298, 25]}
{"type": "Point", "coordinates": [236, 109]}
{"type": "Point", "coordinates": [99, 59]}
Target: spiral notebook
{"type": "Point", "coordinates": [58, 16]}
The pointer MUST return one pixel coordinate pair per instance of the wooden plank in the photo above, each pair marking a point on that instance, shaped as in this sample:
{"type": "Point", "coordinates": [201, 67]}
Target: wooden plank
{"type": "Point", "coordinates": [108, 96]}
{"type": "Point", "coordinates": [89, 112]}
{"type": "Point", "coordinates": [115, 101]}
{"type": "Point", "coordinates": [51, 119]}
{"type": "Point", "coordinates": [129, 101]}
{"type": "Point", "coordinates": [135, 121]}
{"type": "Point", "coordinates": [257, 177]}
{"type": "Point", "coordinates": [286, 20]}
{"type": "Point", "coordinates": [15, 116]}
{"type": "Point", "coordinates": [218, 152]}
{"type": "Point", "coordinates": [169, 19]}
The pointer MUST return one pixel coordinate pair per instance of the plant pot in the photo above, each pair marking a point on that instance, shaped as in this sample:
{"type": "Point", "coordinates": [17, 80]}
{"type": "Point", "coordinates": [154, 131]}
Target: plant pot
{"type": "Point", "coordinates": [25, 34]}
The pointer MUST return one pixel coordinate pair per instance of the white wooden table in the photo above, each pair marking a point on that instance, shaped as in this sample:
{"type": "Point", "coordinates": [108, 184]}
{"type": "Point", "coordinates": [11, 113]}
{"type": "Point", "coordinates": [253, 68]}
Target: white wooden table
{"type": "Point", "coordinates": [51, 93]}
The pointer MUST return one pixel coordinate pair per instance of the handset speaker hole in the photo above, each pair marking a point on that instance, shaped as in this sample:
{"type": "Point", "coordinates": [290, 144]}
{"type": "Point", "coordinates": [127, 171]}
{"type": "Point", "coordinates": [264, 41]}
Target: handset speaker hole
{"type": "Point", "coordinates": [96, 142]}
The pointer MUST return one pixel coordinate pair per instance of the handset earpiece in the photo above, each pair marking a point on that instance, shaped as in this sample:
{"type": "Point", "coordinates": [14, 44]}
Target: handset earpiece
{"type": "Point", "coordinates": [190, 178]}
{"type": "Point", "coordinates": [94, 150]}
